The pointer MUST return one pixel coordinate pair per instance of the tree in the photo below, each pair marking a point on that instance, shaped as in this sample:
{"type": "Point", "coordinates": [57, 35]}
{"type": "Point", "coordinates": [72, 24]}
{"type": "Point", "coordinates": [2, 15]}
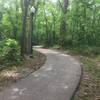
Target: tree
{"type": "Point", "coordinates": [63, 21]}
{"type": "Point", "coordinates": [23, 34]}
{"type": "Point", "coordinates": [30, 49]}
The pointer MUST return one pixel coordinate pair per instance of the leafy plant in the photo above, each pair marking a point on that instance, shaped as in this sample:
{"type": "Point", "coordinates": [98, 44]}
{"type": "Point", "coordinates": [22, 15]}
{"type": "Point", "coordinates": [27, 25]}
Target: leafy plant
{"type": "Point", "coordinates": [9, 52]}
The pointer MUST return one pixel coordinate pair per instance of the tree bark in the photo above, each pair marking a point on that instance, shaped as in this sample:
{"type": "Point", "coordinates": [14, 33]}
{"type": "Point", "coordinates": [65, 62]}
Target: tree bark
{"type": "Point", "coordinates": [30, 36]}
{"type": "Point", "coordinates": [23, 35]}
{"type": "Point", "coordinates": [63, 22]}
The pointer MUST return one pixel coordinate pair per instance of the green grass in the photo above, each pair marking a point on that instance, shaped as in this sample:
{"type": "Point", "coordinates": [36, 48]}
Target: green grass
{"type": "Point", "coordinates": [90, 84]}
{"type": "Point", "coordinates": [91, 66]}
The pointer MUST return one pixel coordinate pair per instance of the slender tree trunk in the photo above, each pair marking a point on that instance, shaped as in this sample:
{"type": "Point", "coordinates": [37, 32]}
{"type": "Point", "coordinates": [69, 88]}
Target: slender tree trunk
{"type": "Point", "coordinates": [63, 22]}
{"type": "Point", "coordinates": [30, 35]}
{"type": "Point", "coordinates": [24, 20]}
{"type": "Point", "coordinates": [16, 24]}
{"type": "Point", "coordinates": [46, 29]}
{"type": "Point", "coordinates": [54, 26]}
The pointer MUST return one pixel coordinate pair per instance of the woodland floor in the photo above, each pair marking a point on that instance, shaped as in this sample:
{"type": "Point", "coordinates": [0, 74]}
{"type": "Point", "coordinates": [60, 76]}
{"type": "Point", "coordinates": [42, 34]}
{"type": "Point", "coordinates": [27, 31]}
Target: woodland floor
{"type": "Point", "coordinates": [90, 85]}
{"type": "Point", "coordinates": [12, 74]}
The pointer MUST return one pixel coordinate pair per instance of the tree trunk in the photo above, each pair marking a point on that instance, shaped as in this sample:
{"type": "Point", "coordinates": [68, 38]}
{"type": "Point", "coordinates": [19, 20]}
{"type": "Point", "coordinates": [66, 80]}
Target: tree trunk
{"type": "Point", "coordinates": [30, 36]}
{"type": "Point", "coordinates": [23, 35]}
{"type": "Point", "coordinates": [63, 22]}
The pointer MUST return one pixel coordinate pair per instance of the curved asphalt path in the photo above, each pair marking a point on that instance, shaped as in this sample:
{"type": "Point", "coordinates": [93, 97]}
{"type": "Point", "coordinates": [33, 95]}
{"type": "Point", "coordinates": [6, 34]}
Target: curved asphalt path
{"type": "Point", "coordinates": [56, 80]}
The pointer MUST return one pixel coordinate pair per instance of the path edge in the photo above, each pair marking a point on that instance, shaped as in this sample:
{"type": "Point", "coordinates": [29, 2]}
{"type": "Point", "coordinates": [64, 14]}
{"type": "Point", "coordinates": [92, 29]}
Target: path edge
{"type": "Point", "coordinates": [79, 83]}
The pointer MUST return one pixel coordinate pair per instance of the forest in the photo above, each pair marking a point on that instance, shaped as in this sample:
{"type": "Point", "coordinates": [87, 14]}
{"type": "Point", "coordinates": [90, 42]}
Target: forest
{"type": "Point", "coordinates": [72, 25]}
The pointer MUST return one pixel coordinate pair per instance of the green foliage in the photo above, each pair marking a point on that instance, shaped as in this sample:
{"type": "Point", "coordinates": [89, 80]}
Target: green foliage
{"type": "Point", "coordinates": [82, 24]}
{"type": "Point", "coordinates": [9, 52]}
{"type": "Point", "coordinates": [86, 50]}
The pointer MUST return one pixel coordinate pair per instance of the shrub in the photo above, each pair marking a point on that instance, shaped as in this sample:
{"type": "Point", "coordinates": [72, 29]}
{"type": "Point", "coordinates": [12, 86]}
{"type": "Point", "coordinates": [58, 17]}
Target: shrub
{"type": "Point", "coordinates": [9, 52]}
{"type": "Point", "coordinates": [88, 50]}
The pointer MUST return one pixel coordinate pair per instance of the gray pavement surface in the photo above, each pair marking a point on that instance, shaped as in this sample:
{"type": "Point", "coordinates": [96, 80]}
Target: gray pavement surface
{"type": "Point", "coordinates": [56, 80]}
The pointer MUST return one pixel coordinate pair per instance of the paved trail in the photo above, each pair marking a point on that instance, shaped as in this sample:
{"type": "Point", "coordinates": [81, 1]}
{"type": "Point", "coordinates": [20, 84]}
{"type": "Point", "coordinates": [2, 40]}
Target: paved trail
{"type": "Point", "coordinates": [56, 80]}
